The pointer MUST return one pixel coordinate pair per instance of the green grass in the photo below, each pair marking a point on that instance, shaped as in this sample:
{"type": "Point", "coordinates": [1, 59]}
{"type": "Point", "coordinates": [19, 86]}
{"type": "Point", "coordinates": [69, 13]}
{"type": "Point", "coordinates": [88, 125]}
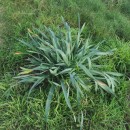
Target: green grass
{"type": "Point", "coordinates": [104, 21]}
{"type": "Point", "coordinates": [99, 112]}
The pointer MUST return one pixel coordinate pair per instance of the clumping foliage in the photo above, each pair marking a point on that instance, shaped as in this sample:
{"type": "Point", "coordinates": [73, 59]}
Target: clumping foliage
{"type": "Point", "coordinates": [65, 62]}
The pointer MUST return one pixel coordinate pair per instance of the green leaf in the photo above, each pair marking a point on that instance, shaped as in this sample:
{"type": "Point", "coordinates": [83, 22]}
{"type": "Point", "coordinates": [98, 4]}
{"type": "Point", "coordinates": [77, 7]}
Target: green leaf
{"type": "Point", "coordinates": [48, 102]}
{"type": "Point", "coordinates": [54, 72]}
{"type": "Point", "coordinates": [72, 79]}
{"type": "Point", "coordinates": [77, 87]}
{"type": "Point", "coordinates": [40, 32]}
{"type": "Point", "coordinates": [114, 73]}
{"type": "Point", "coordinates": [68, 50]}
{"type": "Point", "coordinates": [87, 71]}
{"type": "Point", "coordinates": [27, 44]}
{"type": "Point", "coordinates": [66, 94]}
{"type": "Point", "coordinates": [78, 20]}
{"type": "Point", "coordinates": [25, 71]}
{"type": "Point", "coordinates": [82, 119]}
{"type": "Point", "coordinates": [39, 81]}
{"type": "Point", "coordinates": [56, 84]}
{"type": "Point", "coordinates": [78, 97]}
{"type": "Point", "coordinates": [105, 87]}
{"type": "Point", "coordinates": [82, 28]}
{"type": "Point", "coordinates": [63, 56]}
{"type": "Point", "coordinates": [41, 67]}
{"type": "Point", "coordinates": [2, 87]}
{"type": "Point", "coordinates": [112, 81]}
{"type": "Point", "coordinates": [89, 63]}
{"type": "Point", "coordinates": [81, 82]}
{"type": "Point", "coordinates": [65, 71]}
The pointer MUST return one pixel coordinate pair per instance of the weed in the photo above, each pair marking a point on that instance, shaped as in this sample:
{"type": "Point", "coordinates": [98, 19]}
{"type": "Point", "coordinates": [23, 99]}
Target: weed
{"type": "Point", "coordinates": [104, 20]}
{"type": "Point", "coordinates": [60, 61]}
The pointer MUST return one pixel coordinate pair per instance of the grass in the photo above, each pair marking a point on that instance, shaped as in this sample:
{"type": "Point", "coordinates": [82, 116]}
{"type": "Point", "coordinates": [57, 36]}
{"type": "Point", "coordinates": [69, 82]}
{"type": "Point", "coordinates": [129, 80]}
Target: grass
{"type": "Point", "coordinates": [103, 113]}
{"type": "Point", "coordinates": [104, 21]}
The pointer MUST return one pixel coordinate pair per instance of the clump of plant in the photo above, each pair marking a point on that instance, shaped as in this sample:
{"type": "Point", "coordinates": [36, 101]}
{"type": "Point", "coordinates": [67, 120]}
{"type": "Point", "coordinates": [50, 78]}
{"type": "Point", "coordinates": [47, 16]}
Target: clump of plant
{"type": "Point", "coordinates": [121, 58]}
{"type": "Point", "coordinates": [64, 62]}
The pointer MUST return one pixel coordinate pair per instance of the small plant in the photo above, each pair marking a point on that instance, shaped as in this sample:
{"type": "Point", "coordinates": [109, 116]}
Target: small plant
{"type": "Point", "coordinates": [62, 61]}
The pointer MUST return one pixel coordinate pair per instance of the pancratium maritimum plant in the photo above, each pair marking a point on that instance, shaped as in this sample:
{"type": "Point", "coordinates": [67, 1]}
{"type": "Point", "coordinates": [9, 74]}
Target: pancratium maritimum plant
{"type": "Point", "coordinates": [61, 61]}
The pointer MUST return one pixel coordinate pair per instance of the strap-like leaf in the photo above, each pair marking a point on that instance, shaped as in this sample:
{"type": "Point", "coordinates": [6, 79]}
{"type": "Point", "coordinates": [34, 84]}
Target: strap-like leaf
{"type": "Point", "coordinates": [105, 87]}
{"type": "Point", "coordinates": [27, 44]}
{"type": "Point", "coordinates": [63, 56]}
{"type": "Point", "coordinates": [82, 119]}
{"type": "Point", "coordinates": [87, 71]}
{"type": "Point", "coordinates": [43, 34]}
{"type": "Point", "coordinates": [66, 94]}
{"type": "Point", "coordinates": [65, 71]}
{"type": "Point", "coordinates": [39, 81]}
{"type": "Point", "coordinates": [77, 87]}
{"type": "Point", "coordinates": [48, 102]}
{"type": "Point", "coordinates": [114, 73]}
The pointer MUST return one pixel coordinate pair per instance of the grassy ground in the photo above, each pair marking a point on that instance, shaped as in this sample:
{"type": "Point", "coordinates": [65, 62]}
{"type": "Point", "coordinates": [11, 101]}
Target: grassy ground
{"type": "Point", "coordinates": [109, 21]}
